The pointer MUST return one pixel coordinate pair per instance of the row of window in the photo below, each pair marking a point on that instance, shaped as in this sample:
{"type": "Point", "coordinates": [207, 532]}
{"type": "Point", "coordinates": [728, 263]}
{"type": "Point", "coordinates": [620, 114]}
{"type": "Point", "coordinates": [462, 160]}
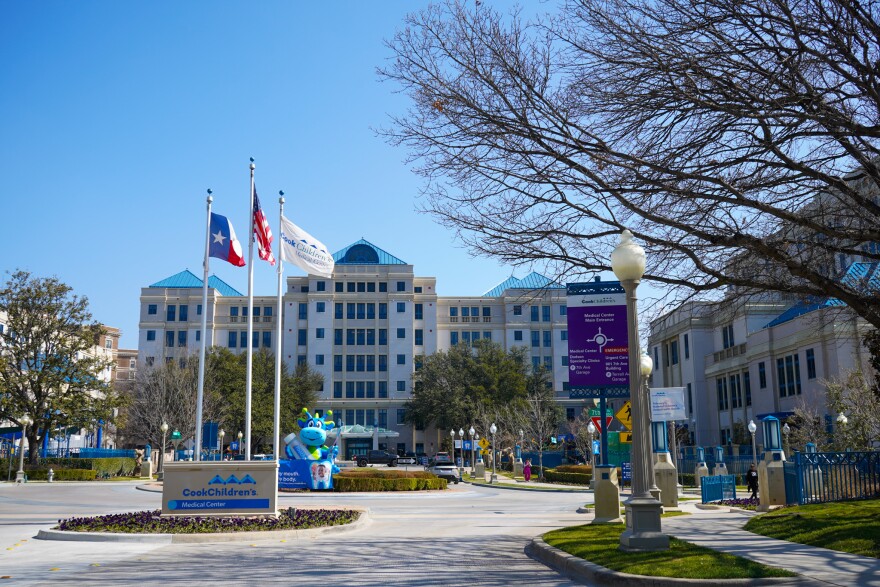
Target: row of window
{"type": "Point", "coordinates": [730, 390]}
{"type": "Point", "coordinates": [361, 389]}
{"type": "Point", "coordinates": [365, 363]}
{"type": "Point", "coordinates": [171, 312]}
{"type": "Point", "coordinates": [172, 340]}
{"type": "Point", "coordinates": [540, 313]}
{"type": "Point", "coordinates": [788, 380]}
{"type": "Point", "coordinates": [361, 336]}
{"type": "Point", "coordinates": [362, 310]}
{"type": "Point", "coordinates": [366, 287]}
{"type": "Point", "coordinates": [239, 339]}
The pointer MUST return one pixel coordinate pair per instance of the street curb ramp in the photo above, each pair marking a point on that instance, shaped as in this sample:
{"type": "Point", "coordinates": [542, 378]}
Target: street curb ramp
{"type": "Point", "coordinates": [592, 574]}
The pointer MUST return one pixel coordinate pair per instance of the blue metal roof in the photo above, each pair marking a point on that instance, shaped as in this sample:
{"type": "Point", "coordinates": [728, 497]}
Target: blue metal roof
{"type": "Point", "coordinates": [364, 252]}
{"type": "Point", "coordinates": [859, 276]}
{"type": "Point", "coordinates": [186, 279]}
{"type": "Point", "coordinates": [530, 281]}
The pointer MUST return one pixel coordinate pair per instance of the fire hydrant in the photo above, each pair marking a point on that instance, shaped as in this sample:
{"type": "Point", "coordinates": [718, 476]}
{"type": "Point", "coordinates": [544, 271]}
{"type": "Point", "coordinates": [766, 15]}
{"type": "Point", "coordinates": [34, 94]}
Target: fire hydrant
{"type": "Point", "coordinates": [51, 475]}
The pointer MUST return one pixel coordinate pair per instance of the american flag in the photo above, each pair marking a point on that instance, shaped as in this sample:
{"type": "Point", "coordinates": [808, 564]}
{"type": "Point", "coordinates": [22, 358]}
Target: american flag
{"type": "Point", "coordinates": [262, 232]}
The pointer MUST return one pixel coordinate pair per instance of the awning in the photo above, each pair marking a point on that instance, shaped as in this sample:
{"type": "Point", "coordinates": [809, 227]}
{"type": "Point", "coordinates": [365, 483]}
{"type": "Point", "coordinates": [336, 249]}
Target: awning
{"type": "Point", "coordinates": [358, 431]}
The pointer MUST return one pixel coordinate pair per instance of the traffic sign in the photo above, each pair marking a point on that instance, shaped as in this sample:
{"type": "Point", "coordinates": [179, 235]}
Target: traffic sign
{"type": "Point", "coordinates": [484, 444]}
{"type": "Point", "coordinates": [626, 437]}
{"type": "Point", "coordinates": [483, 451]}
{"type": "Point", "coordinates": [624, 414]}
{"type": "Point", "coordinates": [597, 422]}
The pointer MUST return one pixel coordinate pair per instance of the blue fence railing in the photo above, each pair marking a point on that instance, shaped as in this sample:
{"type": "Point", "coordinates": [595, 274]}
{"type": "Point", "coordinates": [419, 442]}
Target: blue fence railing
{"type": "Point", "coordinates": [832, 476]}
{"type": "Point", "coordinates": [736, 465]}
{"type": "Point", "coordinates": [101, 453]}
{"type": "Point", "coordinates": [717, 487]}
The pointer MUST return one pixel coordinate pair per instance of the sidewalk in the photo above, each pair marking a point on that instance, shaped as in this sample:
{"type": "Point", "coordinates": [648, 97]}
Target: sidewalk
{"type": "Point", "coordinates": [722, 530]}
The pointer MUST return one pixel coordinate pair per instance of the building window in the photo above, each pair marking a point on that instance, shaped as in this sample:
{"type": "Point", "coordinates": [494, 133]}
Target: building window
{"type": "Point", "coordinates": [337, 311]}
{"type": "Point", "coordinates": [349, 311]}
{"type": "Point", "coordinates": [747, 384]}
{"type": "Point", "coordinates": [169, 338]}
{"type": "Point", "coordinates": [788, 371]}
{"type": "Point", "coordinates": [320, 286]}
{"type": "Point", "coordinates": [487, 313]}
{"type": "Point", "coordinates": [151, 335]}
{"type": "Point", "coordinates": [319, 333]}
{"type": "Point", "coordinates": [419, 336]}
{"type": "Point", "coordinates": [727, 336]}
{"type": "Point", "coordinates": [383, 389]}
{"type": "Point", "coordinates": [267, 311]}
{"type": "Point", "coordinates": [257, 312]}
{"type": "Point", "coordinates": [183, 316]}
{"type": "Point", "coordinates": [687, 347]}
{"type": "Point", "coordinates": [383, 311]}
{"type": "Point", "coordinates": [152, 309]}
{"type": "Point", "coordinates": [401, 286]}
{"type": "Point", "coordinates": [349, 287]}
{"type": "Point", "coordinates": [401, 416]}
{"type": "Point", "coordinates": [419, 311]}
{"type": "Point", "coordinates": [170, 311]}
{"type": "Point", "coordinates": [383, 363]}
{"type": "Point", "coordinates": [401, 359]}
{"type": "Point", "coordinates": [371, 363]}
{"type": "Point", "coordinates": [545, 313]}
{"type": "Point", "coordinates": [453, 311]}
{"type": "Point", "coordinates": [563, 335]}
{"type": "Point", "coordinates": [401, 307]}
{"type": "Point", "coordinates": [383, 337]}
{"type": "Point", "coordinates": [762, 375]}
{"type": "Point", "coordinates": [319, 359]}
{"type": "Point", "coordinates": [417, 289]}
{"type": "Point", "coordinates": [656, 357]}
{"type": "Point", "coordinates": [536, 338]}
{"type": "Point", "coordinates": [337, 363]}
{"type": "Point", "coordinates": [565, 360]}
{"type": "Point", "coordinates": [361, 311]}
{"type": "Point", "coordinates": [337, 336]}
{"type": "Point", "coordinates": [563, 310]}
{"type": "Point", "coordinates": [535, 312]}
{"type": "Point", "coordinates": [371, 337]}
{"type": "Point", "coordinates": [811, 364]}
{"type": "Point", "coordinates": [233, 339]}
{"type": "Point", "coordinates": [255, 340]}
{"type": "Point", "coordinates": [303, 311]}
{"type": "Point", "coordinates": [453, 338]}
{"type": "Point", "coordinates": [349, 363]}
{"type": "Point", "coordinates": [401, 385]}
{"type": "Point", "coordinates": [320, 307]}
{"type": "Point", "coordinates": [383, 287]}
{"type": "Point", "coordinates": [721, 388]}
{"type": "Point", "coordinates": [517, 335]}
{"type": "Point", "coordinates": [690, 399]}
{"type": "Point", "coordinates": [267, 339]}
{"type": "Point", "coordinates": [517, 310]}
{"type": "Point", "coordinates": [338, 287]}
{"type": "Point", "coordinates": [181, 338]}
{"type": "Point", "coordinates": [337, 390]}
{"type": "Point", "coordinates": [198, 335]}
{"type": "Point", "coordinates": [548, 338]}
{"type": "Point", "coordinates": [301, 336]}
{"type": "Point", "coordinates": [401, 333]}
{"type": "Point", "coordinates": [673, 350]}
{"type": "Point", "coordinates": [242, 339]}
{"type": "Point", "coordinates": [151, 361]}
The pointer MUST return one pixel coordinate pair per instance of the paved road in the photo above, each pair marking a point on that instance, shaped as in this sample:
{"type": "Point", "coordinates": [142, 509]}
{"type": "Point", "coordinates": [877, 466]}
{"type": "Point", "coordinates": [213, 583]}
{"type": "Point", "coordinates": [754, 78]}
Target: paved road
{"type": "Point", "coordinates": [464, 536]}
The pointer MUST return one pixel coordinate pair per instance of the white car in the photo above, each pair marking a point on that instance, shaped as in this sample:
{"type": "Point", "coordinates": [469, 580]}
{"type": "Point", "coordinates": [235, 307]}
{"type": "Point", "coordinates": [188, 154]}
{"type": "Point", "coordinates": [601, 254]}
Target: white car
{"type": "Point", "coordinates": [446, 471]}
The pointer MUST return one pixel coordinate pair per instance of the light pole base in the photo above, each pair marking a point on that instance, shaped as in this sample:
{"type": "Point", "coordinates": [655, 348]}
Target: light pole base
{"type": "Point", "coordinates": [606, 499]}
{"type": "Point", "coordinates": [19, 477]}
{"type": "Point", "coordinates": [643, 526]}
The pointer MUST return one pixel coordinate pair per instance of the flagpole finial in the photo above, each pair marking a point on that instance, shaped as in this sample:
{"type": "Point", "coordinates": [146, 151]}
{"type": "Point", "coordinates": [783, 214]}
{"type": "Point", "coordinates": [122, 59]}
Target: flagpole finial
{"type": "Point", "coordinates": [252, 164]}
{"type": "Point", "coordinates": [210, 199]}
{"type": "Point", "coordinates": [281, 196]}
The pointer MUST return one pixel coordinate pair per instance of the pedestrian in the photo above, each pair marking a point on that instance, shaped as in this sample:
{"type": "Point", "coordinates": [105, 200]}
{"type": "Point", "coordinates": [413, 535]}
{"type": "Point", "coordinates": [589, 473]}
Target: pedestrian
{"type": "Point", "coordinates": [752, 481]}
{"type": "Point", "coordinates": [527, 470]}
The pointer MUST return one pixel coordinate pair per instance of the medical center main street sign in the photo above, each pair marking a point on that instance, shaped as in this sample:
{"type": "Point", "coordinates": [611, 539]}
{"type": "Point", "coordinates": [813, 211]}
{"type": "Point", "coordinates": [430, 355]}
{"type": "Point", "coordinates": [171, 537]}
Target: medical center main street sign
{"type": "Point", "coordinates": [598, 347]}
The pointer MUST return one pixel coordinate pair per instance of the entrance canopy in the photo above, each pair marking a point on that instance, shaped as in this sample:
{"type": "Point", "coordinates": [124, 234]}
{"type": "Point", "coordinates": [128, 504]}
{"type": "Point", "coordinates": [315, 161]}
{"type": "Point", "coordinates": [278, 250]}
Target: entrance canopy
{"type": "Point", "coordinates": [358, 431]}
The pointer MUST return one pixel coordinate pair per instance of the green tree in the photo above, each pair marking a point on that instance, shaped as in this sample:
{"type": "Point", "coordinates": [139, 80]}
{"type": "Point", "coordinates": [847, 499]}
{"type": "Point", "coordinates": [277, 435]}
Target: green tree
{"type": "Point", "coordinates": [457, 386]}
{"type": "Point", "coordinates": [298, 390]}
{"type": "Point", "coordinates": [50, 368]}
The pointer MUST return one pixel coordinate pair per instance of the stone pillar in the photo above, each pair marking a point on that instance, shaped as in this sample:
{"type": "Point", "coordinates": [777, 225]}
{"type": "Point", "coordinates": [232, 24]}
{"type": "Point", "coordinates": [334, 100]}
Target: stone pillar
{"type": "Point", "coordinates": [665, 474]}
{"type": "Point", "coordinates": [771, 475]}
{"type": "Point", "coordinates": [701, 470]}
{"type": "Point", "coordinates": [720, 468]}
{"type": "Point", "coordinates": [607, 495]}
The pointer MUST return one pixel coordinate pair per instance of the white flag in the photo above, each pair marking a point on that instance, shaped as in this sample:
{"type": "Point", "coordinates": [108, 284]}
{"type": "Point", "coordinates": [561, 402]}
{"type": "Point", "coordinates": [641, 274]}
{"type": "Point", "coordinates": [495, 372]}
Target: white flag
{"type": "Point", "coordinates": [304, 250]}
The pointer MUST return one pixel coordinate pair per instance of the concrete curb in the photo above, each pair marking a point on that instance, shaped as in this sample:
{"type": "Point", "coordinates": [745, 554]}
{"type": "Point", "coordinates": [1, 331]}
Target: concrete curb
{"type": "Point", "coordinates": [513, 487]}
{"type": "Point", "coordinates": [310, 533]}
{"type": "Point", "coordinates": [593, 574]}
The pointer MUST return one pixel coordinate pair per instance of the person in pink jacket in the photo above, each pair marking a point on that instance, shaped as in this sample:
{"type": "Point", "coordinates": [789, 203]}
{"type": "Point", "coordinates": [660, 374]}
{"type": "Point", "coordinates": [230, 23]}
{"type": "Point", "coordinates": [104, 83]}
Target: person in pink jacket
{"type": "Point", "coordinates": [527, 470]}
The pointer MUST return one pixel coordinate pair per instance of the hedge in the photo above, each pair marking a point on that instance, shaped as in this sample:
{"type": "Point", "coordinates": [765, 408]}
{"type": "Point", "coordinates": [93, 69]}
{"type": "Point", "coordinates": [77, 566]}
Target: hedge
{"type": "Point", "coordinates": [557, 476]}
{"type": "Point", "coordinates": [61, 474]}
{"type": "Point", "coordinates": [344, 482]}
{"type": "Point", "coordinates": [108, 467]}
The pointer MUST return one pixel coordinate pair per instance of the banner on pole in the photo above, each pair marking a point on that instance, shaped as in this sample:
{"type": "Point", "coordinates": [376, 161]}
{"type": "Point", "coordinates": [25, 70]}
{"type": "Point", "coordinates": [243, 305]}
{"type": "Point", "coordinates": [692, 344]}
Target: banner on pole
{"type": "Point", "coordinates": [304, 250]}
{"type": "Point", "coordinates": [667, 404]}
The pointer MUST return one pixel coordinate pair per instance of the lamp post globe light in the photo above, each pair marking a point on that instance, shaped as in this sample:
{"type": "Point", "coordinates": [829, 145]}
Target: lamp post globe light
{"type": "Point", "coordinates": [25, 422]}
{"type": "Point", "coordinates": [239, 441]}
{"type": "Point", "coordinates": [642, 509]}
{"type": "Point", "coordinates": [842, 421]}
{"type": "Point", "coordinates": [492, 430]}
{"type": "Point", "coordinates": [461, 450]}
{"type": "Point", "coordinates": [221, 433]}
{"type": "Point", "coordinates": [471, 433]}
{"type": "Point", "coordinates": [752, 429]}
{"type": "Point", "coordinates": [591, 429]}
{"type": "Point", "coordinates": [452, 436]}
{"type": "Point", "coordinates": [786, 430]}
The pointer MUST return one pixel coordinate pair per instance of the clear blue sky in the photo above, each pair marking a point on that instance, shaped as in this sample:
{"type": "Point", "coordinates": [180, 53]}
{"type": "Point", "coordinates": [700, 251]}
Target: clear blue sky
{"type": "Point", "coordinates": [115, 117]}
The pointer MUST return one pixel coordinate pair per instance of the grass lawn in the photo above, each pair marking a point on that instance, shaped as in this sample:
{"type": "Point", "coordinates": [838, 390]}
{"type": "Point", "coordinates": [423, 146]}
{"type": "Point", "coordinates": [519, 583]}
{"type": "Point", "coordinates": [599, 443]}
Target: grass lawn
{"type": "Point", "coordinates": [599, 544]}
{"type": "Point", "coordinates": [852, 526]}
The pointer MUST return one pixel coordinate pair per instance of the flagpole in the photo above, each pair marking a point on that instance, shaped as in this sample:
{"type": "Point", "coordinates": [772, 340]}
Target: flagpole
{"type": "Point", "coordinates": [197, 453]}
{"type": "Point", "coordinates": [278, 335]}
{"type": "Point", "coordinates": [250, 328]}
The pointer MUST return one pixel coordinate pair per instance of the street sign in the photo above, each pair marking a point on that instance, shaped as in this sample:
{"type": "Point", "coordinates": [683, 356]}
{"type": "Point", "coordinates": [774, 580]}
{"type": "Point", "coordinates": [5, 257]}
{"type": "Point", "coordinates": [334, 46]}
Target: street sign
{"type": "Point", "coordinates": [624, 414]}
{"type": "Point", "coordinates": [483, 451]}
{"type": "Point", "coordinates": [597, 412]}
{"type": "Point", "coordinates": [597, 422]}
{"type": "Point", "coordinates": [484, 444]}
{"type": "Point", "coordinates": [626, 437]}
{"type": "Point", "coordinates": [596, 447]}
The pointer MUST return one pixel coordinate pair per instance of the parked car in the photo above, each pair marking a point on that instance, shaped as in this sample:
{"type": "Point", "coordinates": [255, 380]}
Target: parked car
{"type": "Point", "coordinates": [444, 470]}
{"type": "Point", "coordinates": [377, 457]}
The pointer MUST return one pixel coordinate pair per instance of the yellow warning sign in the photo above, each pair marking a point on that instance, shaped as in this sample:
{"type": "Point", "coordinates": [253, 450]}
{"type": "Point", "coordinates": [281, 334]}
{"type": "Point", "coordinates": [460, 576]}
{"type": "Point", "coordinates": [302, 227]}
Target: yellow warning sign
{"type": "Point", "coordinates": [483, 443]}
{"type": "Point", "coordinates": [483, 451]}
{"type": "Point", "coordinates": [624, 415]}
{"type": "Point", "coordinates": [626, 437]}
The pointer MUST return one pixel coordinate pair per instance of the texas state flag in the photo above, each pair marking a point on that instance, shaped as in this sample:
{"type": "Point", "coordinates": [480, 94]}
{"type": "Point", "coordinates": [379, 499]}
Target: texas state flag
{"type": "Point", "coordinates": [224, 245]}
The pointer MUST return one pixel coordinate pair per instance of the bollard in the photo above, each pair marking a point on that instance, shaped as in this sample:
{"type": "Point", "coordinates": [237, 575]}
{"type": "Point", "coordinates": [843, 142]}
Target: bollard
{"type": "Point", "coordinates": [50, 475]}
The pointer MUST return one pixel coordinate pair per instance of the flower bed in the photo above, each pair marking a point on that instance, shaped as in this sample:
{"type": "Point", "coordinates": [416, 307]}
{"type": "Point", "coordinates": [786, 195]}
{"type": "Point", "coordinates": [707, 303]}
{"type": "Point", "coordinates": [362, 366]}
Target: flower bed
{"type": "Point", "coordinates": [151, 522]}
{"type": "Point", "coordinates": [741, 503]}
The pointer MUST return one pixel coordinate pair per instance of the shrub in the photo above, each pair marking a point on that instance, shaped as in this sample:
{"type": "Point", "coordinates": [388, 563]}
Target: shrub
{"type": "Point", "coordinates": [417, 481]}
{"type": "Point", "coordinates": [42, 474]}
{"type": "Point", "coordinates": [583, 469]}
{"type": "Point", "coordinates": [109, 467]}
{"type": "Point", "coordinates": [557, 476]}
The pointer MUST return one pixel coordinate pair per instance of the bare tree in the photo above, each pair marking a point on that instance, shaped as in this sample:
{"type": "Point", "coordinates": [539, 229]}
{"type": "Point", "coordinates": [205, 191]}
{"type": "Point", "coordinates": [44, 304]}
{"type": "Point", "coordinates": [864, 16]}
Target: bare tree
{"type": "Point", "coordinates": [739, 141]}
{"type": "Point", "coordinates": [582, 439]}
{"type": "Point", "coordinates": [853, 395]}
{"type": "Point", "coordinates": [540, 418]}
{"type": "Point", "coordinates": [807, 426]}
